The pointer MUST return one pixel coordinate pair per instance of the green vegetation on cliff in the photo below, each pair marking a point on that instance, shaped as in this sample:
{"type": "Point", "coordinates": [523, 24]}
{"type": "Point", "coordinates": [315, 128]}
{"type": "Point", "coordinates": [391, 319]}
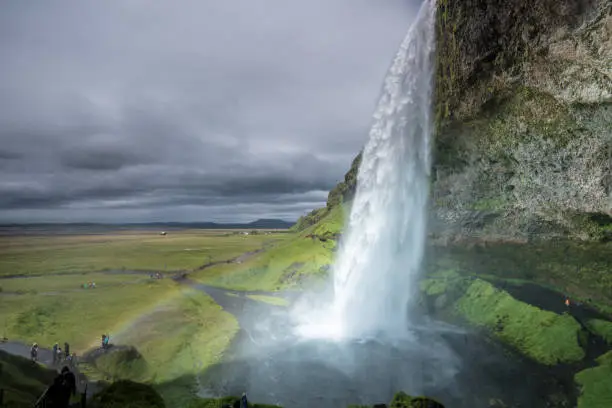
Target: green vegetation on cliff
{"type": "Point", "coordinates": [595, 383]}
{"type": "Point", "coordinates": [122, 364]}
{"type": "Point", "coordinates": [541, 335]}
{"type": "Point", "coordinates": [544, 336]}
{"type": "Point", "coordinates": [601, 328]}
{"type": "Point", "coordinates": [22, 380]}
{"type": "Point", "coordinates": [295, 262]}
{"type": "Point", "coordinates": [341, 194]}
{"type": "Point", "coordinates": [578, 269]}
{"type": "Point", "coordinates": [523, 96]}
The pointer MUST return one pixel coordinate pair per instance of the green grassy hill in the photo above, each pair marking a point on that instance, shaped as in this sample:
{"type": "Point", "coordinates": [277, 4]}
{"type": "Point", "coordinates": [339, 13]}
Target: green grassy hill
{"type": "Point", "coordinates": [22, 380]}
{"type": "Point", "coordinates": [301, 260]}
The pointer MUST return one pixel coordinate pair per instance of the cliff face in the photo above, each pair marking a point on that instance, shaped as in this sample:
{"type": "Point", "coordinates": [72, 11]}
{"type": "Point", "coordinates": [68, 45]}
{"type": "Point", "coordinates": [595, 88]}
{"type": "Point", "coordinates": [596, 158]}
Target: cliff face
{"type": "Point", "coordinates": [523, 103]}
{"type": "Point", "coordinates": [524, 119]}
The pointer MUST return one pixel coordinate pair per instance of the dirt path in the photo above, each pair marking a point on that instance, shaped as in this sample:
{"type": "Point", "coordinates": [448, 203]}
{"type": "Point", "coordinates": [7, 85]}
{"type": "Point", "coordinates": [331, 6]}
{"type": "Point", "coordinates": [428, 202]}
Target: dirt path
{"type": "Point", "coordinates": [238, 259]}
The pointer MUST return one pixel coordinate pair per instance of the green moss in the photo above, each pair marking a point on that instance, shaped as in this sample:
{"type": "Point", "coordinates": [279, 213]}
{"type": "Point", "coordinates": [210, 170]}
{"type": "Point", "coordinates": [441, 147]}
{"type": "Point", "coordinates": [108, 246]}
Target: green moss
{"type": "Point", "coordinates": [595, 384]}
{"type": "Point", "coordinates": [489, 204]}
{"type": "Point", "coordinates": [579, 269]}
{"type": "Point", "coordinates": [330, 226]}
{"type": "Point", "coordinates": [601, 328]}
{"type": "Point", "coordinates": [309, 219]}
{"type": "Point", "coordinates": [341, 194]}
{"type": "Point", "coordinates": [544, 336]}
{"type": "Point", "coordinates": [122, 364]}
{"type": "Point", "coordinates": [305, 257]}
{"type": "Point", "coordinates": [440, 282]}
{"type": "Point", "coordinates": [402, 400]}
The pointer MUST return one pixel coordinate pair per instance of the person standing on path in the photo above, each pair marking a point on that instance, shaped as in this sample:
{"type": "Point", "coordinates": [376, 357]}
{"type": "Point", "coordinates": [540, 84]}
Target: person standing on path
{"type": "Point", "coordinates": [34, 352]}
{"type": "Point", "coordinates": [66, 349]}
{"type": "Point", "coordinates": [55, 348]}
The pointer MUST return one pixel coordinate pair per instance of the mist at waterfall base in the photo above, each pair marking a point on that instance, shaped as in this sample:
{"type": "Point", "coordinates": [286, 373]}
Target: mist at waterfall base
{"type": "Point", "coordinates": [359, 344]}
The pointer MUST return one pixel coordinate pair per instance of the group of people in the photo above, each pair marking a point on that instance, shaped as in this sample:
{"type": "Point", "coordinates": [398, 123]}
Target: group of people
{"type": "Point", "coordinates": [58, 354]}
{"type": "Point", "coordinates": [89, 285]}
{"type": "Point", "coordinates": [156, 275]}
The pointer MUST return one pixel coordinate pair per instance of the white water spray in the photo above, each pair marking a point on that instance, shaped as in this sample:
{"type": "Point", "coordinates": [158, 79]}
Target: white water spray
{"type": "Point", "coordinates": [380, 256]}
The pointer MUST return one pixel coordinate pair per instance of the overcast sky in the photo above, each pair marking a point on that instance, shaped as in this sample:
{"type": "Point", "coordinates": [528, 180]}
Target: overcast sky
{"type": "Point", "coordinates": [191, 110]}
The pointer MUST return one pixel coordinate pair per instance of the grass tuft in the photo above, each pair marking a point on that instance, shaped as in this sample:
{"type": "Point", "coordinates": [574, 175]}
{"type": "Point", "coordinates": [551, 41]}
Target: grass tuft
{"type": "Point", "coordinates": [595, 384]}
{"type": "Point", "coordinates": [601, 328]}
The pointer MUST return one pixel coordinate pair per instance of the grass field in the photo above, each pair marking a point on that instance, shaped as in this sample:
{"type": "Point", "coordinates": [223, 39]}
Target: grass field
{"type": "Point", "coordinates": [176, 331]}
{"type": "Point", "coordinates": [299, 260]}
{"type": "Point", "coordinates": [179, 250]}
{"type": "Point", "coordinates": [182, 335]}
{"type": "Point", "coordinates": [78, 316]}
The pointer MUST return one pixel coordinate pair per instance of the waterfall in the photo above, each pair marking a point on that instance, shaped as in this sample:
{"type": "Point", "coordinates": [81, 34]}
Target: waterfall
{"type": "Point", "coordinates": [380, 256]}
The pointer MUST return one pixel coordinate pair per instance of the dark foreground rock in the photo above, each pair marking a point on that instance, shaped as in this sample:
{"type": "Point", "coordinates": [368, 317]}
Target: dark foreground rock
{"type": "Point", "coordinates": [128, 394]}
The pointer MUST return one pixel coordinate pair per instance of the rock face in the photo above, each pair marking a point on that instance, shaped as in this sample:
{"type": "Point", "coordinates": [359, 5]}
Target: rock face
{"type": "Point", "coordinates": [523, 144]}
{"type": "Point", "coordinates": [523, 148]}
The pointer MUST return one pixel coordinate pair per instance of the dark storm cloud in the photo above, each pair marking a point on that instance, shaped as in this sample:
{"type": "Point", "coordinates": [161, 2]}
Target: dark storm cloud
{"type": "Point", "coordinates": [8, 155]}
{"type": "Point", "coordinates": [199, 109]}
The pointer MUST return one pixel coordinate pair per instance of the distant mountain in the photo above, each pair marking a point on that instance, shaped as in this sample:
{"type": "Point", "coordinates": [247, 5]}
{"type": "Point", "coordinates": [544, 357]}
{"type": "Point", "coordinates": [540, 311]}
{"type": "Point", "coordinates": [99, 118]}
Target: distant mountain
{"type": "Point", "coordinates": [265, 223]}
{"type": "Point", "coordinates": [88, 227]}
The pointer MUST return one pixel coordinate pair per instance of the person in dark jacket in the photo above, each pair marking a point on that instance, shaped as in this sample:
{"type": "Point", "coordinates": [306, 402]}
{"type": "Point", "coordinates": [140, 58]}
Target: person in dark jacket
{"type": "Point", "coordinates": [34, 352]}
{"type": "Point", "coordinates": [66, 349]}
{"type": "Point", "coordinates": [243, 401]}
{"type": "Point", "coordinates": [55, 396]}
{"type": "Point", "coordinates": [55, 347]}
{"type": "Point", "coordinates": [69, 381]}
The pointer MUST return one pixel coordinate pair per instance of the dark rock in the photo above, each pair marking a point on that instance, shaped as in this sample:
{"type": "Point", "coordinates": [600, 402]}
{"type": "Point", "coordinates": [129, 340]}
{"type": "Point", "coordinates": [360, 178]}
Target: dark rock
{"type": "Point", "coordinates": [129, 394]}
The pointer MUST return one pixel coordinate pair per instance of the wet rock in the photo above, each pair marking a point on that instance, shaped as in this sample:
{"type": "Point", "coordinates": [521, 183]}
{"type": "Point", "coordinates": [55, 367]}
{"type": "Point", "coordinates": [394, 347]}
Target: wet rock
{"type": "Point", "coordinates": [524, 108]}
{"type": "Point", "coordinates": [402, 400]}
{"type": "Point", "coordinates": [441, 302]}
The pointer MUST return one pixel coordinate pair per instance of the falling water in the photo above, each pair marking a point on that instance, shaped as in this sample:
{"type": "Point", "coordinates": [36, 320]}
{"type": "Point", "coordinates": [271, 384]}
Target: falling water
{"type": "Point", "coordinates": [380, 257]}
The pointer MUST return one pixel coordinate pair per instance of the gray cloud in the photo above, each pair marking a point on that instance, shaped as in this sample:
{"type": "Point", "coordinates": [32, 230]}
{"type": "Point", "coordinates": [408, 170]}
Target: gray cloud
{"type": "Point", "coordinates": [194, 110]}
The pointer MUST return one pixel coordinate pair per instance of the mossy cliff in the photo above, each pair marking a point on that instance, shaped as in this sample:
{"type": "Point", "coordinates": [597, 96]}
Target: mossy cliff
{"type": "Point", "coordinates": [342, 193]}
{"type": "Point", "coordinates": [523, 107]}
{"type": "Point", "coordinates": [523, 104]}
